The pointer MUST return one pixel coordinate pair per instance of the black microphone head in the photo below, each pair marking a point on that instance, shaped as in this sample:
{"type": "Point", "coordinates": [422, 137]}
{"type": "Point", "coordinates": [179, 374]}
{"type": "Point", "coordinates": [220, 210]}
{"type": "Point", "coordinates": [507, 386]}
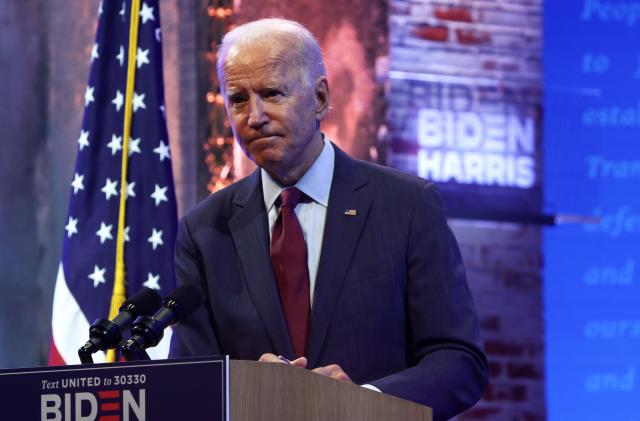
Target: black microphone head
{"type": "Point", "coordinates": [146, 302]}
{"type": "Point", "coordinates": [185, 300]}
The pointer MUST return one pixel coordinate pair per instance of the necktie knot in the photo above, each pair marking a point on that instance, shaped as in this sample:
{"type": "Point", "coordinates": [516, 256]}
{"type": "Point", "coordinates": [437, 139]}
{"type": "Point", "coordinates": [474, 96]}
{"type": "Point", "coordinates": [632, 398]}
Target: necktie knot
{"type": "Point", "coordinates": [290, 197]}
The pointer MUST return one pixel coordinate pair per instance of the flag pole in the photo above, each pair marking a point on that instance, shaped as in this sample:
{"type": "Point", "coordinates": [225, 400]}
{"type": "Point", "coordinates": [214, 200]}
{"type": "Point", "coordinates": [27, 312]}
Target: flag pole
{"type": "Point", "coordinates": [119, 288]}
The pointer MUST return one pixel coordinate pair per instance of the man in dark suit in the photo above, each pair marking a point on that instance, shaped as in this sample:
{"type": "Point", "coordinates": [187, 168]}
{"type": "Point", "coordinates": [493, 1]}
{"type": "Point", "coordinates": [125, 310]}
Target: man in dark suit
{"type": "Point", "coordinates": [340, 266]}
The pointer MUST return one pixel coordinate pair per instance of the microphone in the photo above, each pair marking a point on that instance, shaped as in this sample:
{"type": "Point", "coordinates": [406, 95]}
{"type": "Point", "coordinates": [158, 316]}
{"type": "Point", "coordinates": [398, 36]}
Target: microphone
{"type": "Point", "coordinates": [147, 332]}
{"type": "Point", "coordinates": [106, 334]}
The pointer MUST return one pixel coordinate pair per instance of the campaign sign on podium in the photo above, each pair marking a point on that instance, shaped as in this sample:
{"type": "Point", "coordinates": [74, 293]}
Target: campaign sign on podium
{"type": "Point", "coordinates": [187, 389]}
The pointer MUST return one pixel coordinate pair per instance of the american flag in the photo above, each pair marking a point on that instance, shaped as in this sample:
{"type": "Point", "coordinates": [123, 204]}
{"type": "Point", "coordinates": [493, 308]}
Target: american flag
{"type": "Point", "coordinates": [85, 280]}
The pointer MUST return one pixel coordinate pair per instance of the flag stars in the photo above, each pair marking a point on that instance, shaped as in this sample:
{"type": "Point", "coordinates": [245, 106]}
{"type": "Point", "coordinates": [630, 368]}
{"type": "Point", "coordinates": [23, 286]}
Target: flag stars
{"type": "Point", "coordinates": [126, 234]}
{"type": "Point", "coordinates": [94, 51]}
{"type": "Point", "coordinates": [120, 56]}
{"type": "Point", "coordinates": [142, 57]}
{"type": "Point", "coordinates": [83, 140]}
{"type": "Point", "coordinates": [152, 281]}
{"type": "Point", "coordinates": [71, 227]}
{"type": "Point", "coordinates": [163, 151]}
{"type": "Point", "coordinates": [159, 194]}
{"type": "Point", "coordinates": [134, 146]}
{"type": "Point", "coordinates": [118, 100]}
{"type": "Point", "coordinates": [88, 95]}
{"type": "Point", "coordinates": [115, 145]}
{"type": "Point", "coordinates": [158, 34]}
{"type": "Point", "coordinates": [138, 101]}
{"type": "Point", "coordinates": [146, 13]}
{"type": "Point", "coordinates": [104, 232]}
{"type": "Point", "coordinates": [130, 191]}
{"type": "Point", "coordinates": [77, 183]}
{"type": "Point", "coordinates": [156, 238]}
{"type": "Point", "coordinates": [123, 10]}
{"type": "Point", "coordinates": [97, 276]}
{"type": "Point", "coordinates": [109, 188]}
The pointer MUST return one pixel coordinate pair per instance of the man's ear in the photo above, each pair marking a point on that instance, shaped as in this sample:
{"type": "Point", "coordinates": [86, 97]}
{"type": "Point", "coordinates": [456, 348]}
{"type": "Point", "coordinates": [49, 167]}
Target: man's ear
{"type": "Point", "coordinates": [321, 91]}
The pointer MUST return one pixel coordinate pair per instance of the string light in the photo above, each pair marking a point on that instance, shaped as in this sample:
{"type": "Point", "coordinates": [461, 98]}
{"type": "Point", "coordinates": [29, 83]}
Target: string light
{"type": "Point", "coordinates": [218, 147]}
{"type": "Point", "coordinates": [219, 12]}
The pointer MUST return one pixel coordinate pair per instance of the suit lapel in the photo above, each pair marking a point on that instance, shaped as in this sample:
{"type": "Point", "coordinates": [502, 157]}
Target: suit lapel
{"type": "Point", "coordinates": [249, 231]}
{"type": "Point", "coordinates": [349, 191]}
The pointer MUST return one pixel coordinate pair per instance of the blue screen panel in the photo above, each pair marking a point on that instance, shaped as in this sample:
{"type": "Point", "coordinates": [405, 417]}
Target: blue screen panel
{"type": "Point", "coordinates": [592, 167]}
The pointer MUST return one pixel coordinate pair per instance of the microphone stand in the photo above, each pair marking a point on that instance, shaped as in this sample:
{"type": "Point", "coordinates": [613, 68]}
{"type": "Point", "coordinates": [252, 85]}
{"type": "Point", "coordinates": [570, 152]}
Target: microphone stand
{"type": "Point", "coordinates": [85, 354]}
{"type": "Point", "coordinates": [132, 355]}
{"type": "Point", "coordinates": [133, 349]}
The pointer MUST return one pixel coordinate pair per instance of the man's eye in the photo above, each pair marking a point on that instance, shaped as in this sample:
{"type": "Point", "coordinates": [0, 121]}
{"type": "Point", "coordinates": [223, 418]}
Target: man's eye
{"type": "Point", "coordinates": [271, 93]}
{"type": "Point", "coordinates": [236, 99]}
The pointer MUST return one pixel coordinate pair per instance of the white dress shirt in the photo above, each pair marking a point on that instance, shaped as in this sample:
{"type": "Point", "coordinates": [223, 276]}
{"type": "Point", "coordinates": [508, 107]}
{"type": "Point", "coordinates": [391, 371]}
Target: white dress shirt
{"type": "Point", "coordinates": [316, 184]}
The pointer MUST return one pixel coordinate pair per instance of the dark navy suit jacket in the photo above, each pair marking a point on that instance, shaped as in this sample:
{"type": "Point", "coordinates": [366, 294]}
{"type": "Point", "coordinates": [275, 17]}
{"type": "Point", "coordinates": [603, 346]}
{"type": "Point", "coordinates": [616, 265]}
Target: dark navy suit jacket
{"type": "Point", "coordinates": [391, 303]}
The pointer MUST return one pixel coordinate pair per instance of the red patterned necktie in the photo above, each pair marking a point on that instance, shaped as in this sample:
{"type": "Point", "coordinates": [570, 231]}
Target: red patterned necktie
{"type": "Point", "coordinates": [289, 260]}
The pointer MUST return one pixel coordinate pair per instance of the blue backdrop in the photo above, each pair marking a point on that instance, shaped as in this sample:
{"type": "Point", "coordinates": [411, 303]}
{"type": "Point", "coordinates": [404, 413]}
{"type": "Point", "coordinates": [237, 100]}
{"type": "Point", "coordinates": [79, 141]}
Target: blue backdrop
{"type": "Point", "coordinates": [592, 167]}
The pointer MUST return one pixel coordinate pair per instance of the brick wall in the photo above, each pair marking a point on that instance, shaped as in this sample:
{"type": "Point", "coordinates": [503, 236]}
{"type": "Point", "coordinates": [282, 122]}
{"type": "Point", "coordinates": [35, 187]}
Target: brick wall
{"type": "Point", "coordinates": [486, 57]}
{"type": "Point", "coordinates": [503, 264]}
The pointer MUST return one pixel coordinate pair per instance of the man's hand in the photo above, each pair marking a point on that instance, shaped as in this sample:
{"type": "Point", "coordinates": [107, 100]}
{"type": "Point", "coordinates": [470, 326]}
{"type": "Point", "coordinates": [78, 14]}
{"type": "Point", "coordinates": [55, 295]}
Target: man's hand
{"type": "Point", "coordinates": [334, 371]}
{"type": "Point", "coordinates": [272, 358]}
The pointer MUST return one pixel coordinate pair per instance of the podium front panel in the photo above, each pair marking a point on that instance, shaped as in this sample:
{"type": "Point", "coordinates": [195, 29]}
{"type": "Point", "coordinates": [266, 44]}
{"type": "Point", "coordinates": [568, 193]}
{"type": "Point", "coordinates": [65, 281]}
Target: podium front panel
{"type": "Point", "coordinates": [188, 389]}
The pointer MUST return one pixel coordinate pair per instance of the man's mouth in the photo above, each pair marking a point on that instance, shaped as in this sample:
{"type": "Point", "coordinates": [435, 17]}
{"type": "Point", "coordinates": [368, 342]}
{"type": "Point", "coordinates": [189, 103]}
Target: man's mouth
{"type": "Point", "coordinates": [267, 137]}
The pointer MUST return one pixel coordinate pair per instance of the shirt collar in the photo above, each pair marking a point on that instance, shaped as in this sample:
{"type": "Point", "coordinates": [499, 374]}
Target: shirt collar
{"type": "Point", "coordinates": [315, 183]}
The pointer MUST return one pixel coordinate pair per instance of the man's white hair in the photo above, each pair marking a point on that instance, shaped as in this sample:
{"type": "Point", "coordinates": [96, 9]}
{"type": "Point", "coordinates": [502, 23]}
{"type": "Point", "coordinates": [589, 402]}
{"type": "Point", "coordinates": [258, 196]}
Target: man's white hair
{"type": "Point", "coordinates": [309, 53]}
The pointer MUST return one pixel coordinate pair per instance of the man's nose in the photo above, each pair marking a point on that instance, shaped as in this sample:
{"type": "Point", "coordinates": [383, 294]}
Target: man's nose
{"type": "Point", "coordinates": [257, 115]}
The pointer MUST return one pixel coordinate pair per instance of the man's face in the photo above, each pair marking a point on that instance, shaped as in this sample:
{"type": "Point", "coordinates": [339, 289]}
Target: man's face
{"type": "Point", "coordinates": [274, 112]}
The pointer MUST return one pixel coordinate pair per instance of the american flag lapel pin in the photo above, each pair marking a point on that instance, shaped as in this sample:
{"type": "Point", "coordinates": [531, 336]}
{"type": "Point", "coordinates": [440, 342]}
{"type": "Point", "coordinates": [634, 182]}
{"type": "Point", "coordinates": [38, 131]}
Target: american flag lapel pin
{"type": "Point", "coordinates": [351, 212]}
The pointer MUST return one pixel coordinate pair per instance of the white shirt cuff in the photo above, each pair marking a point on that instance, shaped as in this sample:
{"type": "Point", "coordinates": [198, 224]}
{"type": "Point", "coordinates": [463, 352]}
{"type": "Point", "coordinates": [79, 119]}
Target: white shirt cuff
{"type": "Point", "coordinates": [371, 387]}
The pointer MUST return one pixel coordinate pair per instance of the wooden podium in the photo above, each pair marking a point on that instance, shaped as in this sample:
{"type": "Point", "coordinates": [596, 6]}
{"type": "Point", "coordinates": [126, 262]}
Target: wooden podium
{"type": "Point", "coordinates": [278, 392]}
{"type": "Point", "coordinates": [203, 388]}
